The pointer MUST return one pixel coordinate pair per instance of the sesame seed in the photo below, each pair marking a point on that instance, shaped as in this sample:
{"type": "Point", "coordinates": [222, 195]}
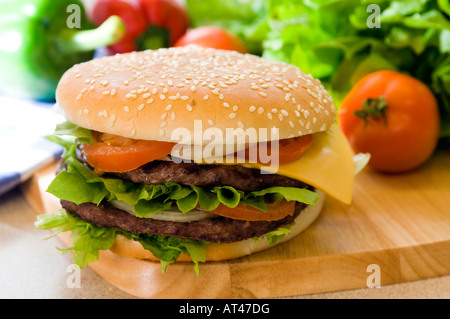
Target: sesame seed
{"type": "Point", "coordinates": [79, 96]}
{"type": "Point", "coordinates": [162, 132]}
{"type": "Point", "coordinates": [280, 116]}
{"type": "Point", "coordinates": [306, 114]}
{"type": "Point", "coordinates": [206, 97]}
{"type": "Point", "coordinates": [163, 117]}
{"type": "Point", "coordinates": [133, 132]}
{"type": "Point", "coordinates": [274, 110]}
{"type": "Point", "coordinates": [291, 124]}
{"type": "Point", "coordinates": [172, 116]}
{"type": "Point", "coordinates": [149, 101]}
{"type": "Point", "coordinates": [168, 107]}
{"type": "Point", "coordinates": [252, 108]}
{"type": "Point", "coordinates": [185, 97]}
{"type": "Point", "coordinates": [260, 110]}
{"type": "Point", "coordinates": [113, 92]}
{"type": "Point", "coordinates": [226, 104]}
{"type": "Point", "coordinates": [146, 95]}
{"type": "Point", "coordinates": [254, 87]}
{"type": "Point", "coordinates": [297, 113]}
{"type": "Point", "coordinates": [193, 88]}
{"type": "Point", "coordinates": [232, 115]}
{"type": "Point", "coordinates": [235, 108]}
{"type": "Point", "coordinates": [86, 111]}
{"type": "Point", "coordinates": [126, 109]}
{"type": "Point", "coordinates": [262, 94]}
{"type": "Point", "coordinates": [162, 97]}
{"type": "Point", "coordinates": [105, 92]}
{"type": "Point", "coordinates": [189, 107]}
{"type": "Point", "coordinates": [269, 115]}
{"type": "Point", "coordinates": [284, 112]}
{"type": "Point", "coordinates": [155, 90]}
{"type": "Point", "coordinates": [140, 107]}
{"type": "Point", "coordinates": [221, 97]}
{"type": "Point", "coordinates": [314, 120]}
{"type": "Point", "coordinates": [211, 122]}
{"type": "Point", "coordinates": [126, 82]}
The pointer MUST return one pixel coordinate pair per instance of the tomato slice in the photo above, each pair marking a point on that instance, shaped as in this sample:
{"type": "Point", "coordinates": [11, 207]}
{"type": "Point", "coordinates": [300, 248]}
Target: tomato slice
{"type": "Point", "coordinates": [275, 211]}
{"type": "Point", "coordinates": [112, 153]}
{"type": "Point", "coordinates": [289, 149]}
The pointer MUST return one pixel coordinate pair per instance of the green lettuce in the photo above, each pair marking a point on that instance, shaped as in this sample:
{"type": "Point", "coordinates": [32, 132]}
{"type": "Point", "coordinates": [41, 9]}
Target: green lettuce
{"type": "Point", "coordinates": [88, 240]}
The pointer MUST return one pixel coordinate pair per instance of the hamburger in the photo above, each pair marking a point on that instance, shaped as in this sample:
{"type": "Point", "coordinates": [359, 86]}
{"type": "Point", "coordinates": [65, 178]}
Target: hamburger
{"type": "Point", "coordinates": [192, 154]}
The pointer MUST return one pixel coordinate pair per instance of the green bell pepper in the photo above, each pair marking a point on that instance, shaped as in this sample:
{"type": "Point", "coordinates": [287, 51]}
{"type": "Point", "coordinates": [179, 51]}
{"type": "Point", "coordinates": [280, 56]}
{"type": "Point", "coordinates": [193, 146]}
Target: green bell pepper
{"type": "Point", "coordinates": [37, 45]}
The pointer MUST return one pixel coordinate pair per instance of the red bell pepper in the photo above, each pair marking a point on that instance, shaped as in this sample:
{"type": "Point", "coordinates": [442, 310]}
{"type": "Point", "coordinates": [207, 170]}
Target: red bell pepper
{"type": "Point", "coordinates": [150, 24]}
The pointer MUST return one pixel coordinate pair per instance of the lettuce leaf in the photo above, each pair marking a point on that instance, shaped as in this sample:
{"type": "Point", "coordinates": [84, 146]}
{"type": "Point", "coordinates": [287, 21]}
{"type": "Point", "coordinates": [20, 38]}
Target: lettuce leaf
{"type": "Point", "coordinates": [88, 239]}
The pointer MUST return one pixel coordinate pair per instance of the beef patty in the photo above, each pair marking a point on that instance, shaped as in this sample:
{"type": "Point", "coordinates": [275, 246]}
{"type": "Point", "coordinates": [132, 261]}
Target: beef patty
{"type": "Point", "coordinates": [219, 229]}
{"type": "Point", "coordinates": [237, 176]}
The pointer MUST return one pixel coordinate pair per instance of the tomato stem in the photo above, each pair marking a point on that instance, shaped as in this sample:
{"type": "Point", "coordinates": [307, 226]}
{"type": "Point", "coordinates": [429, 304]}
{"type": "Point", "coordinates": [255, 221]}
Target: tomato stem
{"type": "Point", "coordinates": [373, 108]}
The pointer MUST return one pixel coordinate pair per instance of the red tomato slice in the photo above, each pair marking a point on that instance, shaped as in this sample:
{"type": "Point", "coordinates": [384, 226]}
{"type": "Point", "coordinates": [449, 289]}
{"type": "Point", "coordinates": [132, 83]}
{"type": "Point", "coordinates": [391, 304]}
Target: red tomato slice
{"type": "Point", "coordinates": [275, 211]}
{"type": "Point", "coordinates": [288, 151]}
{"type": "Point", "coordinates": [112, 153]}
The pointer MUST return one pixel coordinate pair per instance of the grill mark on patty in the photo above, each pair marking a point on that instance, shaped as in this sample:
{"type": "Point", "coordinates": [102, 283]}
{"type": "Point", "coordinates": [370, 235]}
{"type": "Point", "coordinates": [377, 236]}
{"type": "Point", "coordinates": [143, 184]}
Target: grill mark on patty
{"type": "Point", "coordinates": [218, 230]}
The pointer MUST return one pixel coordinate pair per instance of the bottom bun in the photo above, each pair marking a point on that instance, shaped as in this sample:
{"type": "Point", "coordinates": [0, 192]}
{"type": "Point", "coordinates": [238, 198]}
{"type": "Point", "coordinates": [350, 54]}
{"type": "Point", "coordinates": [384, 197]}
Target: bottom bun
{"type": "Point", "coordinates": [132, 249]}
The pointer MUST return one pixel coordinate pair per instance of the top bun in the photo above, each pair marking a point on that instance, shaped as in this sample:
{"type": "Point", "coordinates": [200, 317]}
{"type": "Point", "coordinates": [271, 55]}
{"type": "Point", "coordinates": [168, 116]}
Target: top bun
{"type": "Point", "coordinates": [147, 95]}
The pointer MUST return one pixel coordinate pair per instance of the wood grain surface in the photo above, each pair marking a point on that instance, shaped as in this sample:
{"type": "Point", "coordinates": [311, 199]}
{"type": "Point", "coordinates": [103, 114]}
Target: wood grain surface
{"type": "Point", "coordinates": [400, 223]}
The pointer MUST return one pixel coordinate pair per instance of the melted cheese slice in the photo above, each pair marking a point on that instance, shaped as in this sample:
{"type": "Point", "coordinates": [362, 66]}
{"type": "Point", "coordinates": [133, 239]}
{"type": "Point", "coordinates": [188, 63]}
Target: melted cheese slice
{"type": "Point", "coordinates": [327, 165]}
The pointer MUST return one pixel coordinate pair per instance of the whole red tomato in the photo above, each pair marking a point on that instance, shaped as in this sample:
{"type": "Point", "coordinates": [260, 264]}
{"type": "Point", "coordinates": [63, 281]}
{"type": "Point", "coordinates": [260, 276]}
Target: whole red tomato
{"type": "Point", "coordinates": [212, 37]}
{"type": "Point", "coordinates": [392, 116]}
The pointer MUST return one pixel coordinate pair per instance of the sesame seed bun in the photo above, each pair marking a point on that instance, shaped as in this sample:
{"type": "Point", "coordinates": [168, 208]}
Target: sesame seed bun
{"type": "Point", "coordinates": [147, 95]}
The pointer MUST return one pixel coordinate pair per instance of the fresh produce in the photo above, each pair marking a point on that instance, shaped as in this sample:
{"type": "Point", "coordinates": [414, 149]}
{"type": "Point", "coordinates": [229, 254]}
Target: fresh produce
{"type": "Point", "coordinates": [37, 46]}
{"type": "Point", "coordinates": [392, 116]}
{"type": "Point", "coordinates": [150, 24]}
{"type": "Point", "coordinates": [112, 153]}
{"type": "Point", "coordinates": [337, 41]}
{"type": "Point", "coordinates": [212, 37]}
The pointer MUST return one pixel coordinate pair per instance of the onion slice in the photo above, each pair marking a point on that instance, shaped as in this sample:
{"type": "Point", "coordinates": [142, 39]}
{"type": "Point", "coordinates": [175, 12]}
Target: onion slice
{"type": "Point", "coordinates": [172, 215]}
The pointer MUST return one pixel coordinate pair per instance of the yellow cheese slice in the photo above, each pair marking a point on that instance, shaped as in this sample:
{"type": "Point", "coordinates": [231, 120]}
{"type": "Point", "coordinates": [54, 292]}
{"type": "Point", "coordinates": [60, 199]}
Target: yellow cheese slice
{"type": "Point", "coordinates": [327, 165]}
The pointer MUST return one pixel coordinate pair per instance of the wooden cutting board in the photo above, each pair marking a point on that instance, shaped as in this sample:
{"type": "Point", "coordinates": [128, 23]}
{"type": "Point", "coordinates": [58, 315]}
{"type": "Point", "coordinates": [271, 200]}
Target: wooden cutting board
{"type": "Point", "coordinates": [398, 227]}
